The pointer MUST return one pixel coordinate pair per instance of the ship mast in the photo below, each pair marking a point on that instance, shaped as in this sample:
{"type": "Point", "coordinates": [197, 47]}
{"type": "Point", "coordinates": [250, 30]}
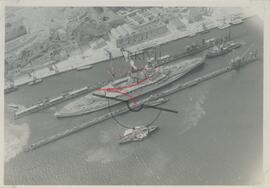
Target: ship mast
{"type": "Point", "coordinates": [111, 64]}
{"type": "Point", "coordinates": [127, 56]}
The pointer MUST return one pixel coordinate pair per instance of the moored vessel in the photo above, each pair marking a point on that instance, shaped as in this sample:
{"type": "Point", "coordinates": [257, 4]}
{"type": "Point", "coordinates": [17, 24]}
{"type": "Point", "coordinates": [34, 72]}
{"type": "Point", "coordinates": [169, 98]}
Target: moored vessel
{"type": "Point", "coordinates": [222, 49]}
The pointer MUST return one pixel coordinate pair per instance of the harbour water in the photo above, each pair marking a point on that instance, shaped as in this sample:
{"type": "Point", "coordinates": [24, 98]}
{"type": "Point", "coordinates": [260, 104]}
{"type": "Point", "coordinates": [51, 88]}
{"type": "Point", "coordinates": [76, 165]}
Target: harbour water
{"type": "Point", "coordinates": [216, 138]}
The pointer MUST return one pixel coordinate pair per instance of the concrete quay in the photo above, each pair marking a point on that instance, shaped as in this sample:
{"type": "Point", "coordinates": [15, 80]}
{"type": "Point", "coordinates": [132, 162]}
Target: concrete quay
{"type": "Point", "coordinates": [97, 56]}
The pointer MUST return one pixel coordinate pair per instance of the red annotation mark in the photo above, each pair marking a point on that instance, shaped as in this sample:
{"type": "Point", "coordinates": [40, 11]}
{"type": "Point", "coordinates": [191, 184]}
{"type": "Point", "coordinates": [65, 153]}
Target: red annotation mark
{"type": "Point", "coordinates": [120, 90]}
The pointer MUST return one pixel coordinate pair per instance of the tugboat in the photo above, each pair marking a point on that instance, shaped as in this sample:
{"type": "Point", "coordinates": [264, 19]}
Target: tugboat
{"type": "Point", "coordinates": [137, 134]}
{"type": "Point", "coordinates": [222, 49]}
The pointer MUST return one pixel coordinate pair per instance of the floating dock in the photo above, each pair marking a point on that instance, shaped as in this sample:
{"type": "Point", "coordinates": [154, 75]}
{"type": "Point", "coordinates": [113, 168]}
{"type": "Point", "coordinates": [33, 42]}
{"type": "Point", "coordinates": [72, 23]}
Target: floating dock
{"type": "Point", "coordinates": [157, 99]}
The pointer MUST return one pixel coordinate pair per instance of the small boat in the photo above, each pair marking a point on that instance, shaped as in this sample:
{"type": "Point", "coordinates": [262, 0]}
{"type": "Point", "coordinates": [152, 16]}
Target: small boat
{"type": "Point", "coordinates": [137, 134]}
{"type": "Point", "coordinates": [84, 67]}
{"type": "Point", "coordinates": [35, 81]}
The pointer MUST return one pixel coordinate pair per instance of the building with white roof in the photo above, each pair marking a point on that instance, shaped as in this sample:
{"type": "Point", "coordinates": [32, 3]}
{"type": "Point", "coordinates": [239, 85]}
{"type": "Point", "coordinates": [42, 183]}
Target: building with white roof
{"type": "Point", "coordinates": [142, 33]}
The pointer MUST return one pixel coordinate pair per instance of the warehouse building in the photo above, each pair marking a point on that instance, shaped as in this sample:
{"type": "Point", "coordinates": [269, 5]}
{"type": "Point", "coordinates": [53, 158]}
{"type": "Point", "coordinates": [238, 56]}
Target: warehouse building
{"type": "Point", "coordinates": [138, 34]}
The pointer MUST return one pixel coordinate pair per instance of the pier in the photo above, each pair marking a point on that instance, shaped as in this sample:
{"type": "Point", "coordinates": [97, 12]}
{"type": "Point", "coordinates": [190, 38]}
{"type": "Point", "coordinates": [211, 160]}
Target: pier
{"type": "Point", "coordinates": [235, 65]}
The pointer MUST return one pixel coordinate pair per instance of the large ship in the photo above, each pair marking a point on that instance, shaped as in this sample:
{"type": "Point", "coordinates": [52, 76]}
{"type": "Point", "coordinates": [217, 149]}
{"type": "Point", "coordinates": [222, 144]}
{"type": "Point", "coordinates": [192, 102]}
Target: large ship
{"type": "Point", "coordinates": [136, 83]}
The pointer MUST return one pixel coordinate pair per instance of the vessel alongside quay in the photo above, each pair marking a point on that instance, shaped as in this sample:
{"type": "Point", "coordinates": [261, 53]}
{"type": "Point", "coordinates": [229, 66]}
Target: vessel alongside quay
{"type": "Point", "coordinates": [223, 49]}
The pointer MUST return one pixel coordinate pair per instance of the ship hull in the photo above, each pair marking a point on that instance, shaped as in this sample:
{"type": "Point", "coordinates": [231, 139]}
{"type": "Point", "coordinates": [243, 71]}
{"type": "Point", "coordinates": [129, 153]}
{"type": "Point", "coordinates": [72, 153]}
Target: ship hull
{"type": "Point", "coordinates": [139, 92]}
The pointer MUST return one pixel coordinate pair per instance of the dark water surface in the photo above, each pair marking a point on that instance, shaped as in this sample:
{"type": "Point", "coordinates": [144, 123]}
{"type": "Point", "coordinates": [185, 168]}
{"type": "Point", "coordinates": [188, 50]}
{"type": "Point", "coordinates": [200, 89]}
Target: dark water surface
{"type": "Point", "coordinates": [216, 138]}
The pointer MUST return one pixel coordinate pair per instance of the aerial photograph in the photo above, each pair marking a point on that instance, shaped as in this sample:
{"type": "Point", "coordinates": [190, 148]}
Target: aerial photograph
{"type": "Point", "coordinates": [133, 96]}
